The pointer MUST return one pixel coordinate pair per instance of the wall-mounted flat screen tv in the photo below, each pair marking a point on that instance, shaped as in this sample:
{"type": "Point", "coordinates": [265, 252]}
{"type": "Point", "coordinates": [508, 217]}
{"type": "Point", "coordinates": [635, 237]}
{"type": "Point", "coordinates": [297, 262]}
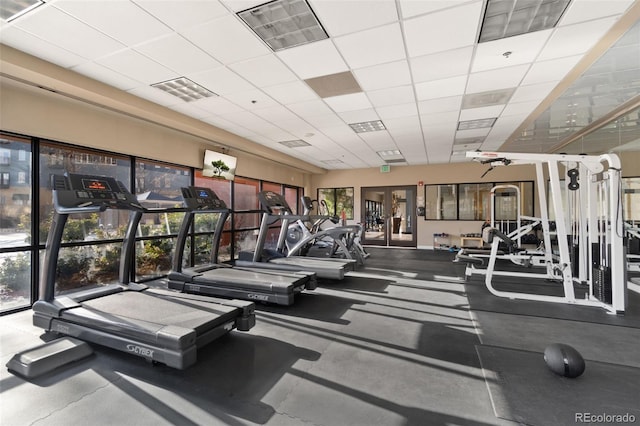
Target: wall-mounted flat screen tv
{"type": "Point", "coordinates": [219, 165]}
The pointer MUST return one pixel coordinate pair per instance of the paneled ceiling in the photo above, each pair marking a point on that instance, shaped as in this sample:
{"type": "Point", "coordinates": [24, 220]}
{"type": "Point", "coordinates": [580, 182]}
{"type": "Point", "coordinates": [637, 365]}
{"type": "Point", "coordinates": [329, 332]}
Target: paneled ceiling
{"type": "Point", "coordinates": [414, 65]}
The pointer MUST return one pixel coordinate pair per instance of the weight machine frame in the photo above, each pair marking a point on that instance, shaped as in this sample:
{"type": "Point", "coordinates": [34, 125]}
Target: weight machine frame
{"type": "Point", "coordinates": [600, 261]}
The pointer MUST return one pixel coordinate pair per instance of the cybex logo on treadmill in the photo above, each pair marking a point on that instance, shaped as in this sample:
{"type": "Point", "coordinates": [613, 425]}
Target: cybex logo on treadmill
{"type": "Point", "coordinates": [257, 296]}
{"type": "Point", "coordinates": [139, 350]}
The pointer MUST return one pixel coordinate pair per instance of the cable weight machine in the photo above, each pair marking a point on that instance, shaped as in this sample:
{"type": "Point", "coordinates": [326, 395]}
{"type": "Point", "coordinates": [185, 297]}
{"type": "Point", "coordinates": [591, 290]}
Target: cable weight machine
{"type": "Point", "coordinates": [589, 249]}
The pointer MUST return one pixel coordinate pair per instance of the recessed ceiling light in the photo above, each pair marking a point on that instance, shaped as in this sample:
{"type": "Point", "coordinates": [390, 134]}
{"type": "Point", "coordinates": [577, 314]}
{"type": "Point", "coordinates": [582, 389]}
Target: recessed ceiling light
{"type": "Point", "coordinates": [476, 124]}
{"type": "Point", "coordinates": [184, 89]}
{"type": "Point", "coordinates": [391, 156]}
{"type": "Point", "coordinates": [11, 9]}
{"type": "Point", "coordinates": [284, 23]}
{"type": "Point", "coordinates": [368, 126]}
{"type": "Point", "coordinates": [489, 98]}
{"type": "Point", "coordinates": [506, 18]}
{"type": "Point", "coordinates": [294, 143]}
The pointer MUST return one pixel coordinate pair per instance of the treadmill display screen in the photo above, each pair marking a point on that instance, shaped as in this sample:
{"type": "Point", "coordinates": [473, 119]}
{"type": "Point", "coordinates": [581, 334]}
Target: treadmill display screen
{"type": "Point", "coordinates": [203, 194]}
{"type": "Point", "coordinates": [96, 185]}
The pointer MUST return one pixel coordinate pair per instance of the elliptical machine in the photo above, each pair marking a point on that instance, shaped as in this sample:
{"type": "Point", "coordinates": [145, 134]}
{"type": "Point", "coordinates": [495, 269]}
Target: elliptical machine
{"type": "Point", "coordinates": [314, 241]}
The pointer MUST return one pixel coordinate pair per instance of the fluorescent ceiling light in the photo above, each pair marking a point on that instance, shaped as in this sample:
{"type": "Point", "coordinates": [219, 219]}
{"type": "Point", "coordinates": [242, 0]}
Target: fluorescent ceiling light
{"type": "Point", "coordinates": [368, 126]}
{"type": "Point", "coordinates": [332, 161]}
{"type": "Point", "coordinates": [284, 23]}
{"type": "Point", "coordinates": [391, 156]}
{"type": "Point", "coordinates": [295, 143]}
{"type": "Point", "coordinates": [476, 124]}
{"type": "Point", "coordinates": [506, 18]}
{"type": "Point", "coordinates": [11, 9]}
{"type": "Point", "coordinates": [185, 89]}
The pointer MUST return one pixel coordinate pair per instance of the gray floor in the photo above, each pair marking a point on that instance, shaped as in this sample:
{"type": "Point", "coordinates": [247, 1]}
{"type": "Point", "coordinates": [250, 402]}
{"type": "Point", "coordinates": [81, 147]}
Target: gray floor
{"type": "Point", "coordinates": [400, 342]}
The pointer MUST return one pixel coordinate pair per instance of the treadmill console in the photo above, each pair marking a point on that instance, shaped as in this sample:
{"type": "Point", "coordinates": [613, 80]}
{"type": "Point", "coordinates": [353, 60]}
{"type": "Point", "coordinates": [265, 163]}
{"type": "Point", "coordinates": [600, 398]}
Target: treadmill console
{"type": "Point", "coordinates": [273, 202]}
{"type": "Point", "coordinates": [197, 198]}
{"type": "Point", "coordinates": [75, 193]}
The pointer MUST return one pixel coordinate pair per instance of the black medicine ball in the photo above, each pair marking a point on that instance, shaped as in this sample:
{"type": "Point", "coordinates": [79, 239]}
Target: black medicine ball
{"type": "Point", "coordinates": [564, 360]}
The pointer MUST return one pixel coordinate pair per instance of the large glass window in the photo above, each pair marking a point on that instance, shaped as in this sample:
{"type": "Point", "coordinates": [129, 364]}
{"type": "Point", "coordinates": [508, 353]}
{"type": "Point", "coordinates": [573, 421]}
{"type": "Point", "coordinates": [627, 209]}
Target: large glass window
{"type": "Point", "coordinates": [158, 185]}
{"type": "Point", "coordinates": [339, 201]}
{"type": "Point", "coordinates": [15, 222]}
{"type": "Point", "coordinates": [91, 243]}
{"type": "Point", "coordinates": [441, 202]}
{"type": "Point", "coordinates": [472, 201]}
{"type": "Point", "coordinates": [631, 200]}
{"type": "Point", "coordinates": [292, 196]}
{"type": "Point", "coordinates": [91, 249]}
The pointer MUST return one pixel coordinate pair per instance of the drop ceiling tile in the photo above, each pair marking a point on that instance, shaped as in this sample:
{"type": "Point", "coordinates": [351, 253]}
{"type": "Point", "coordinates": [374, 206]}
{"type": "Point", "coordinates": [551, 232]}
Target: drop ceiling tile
{"type": "Point", "coordinates": [407, 125]}
{"type": "Point", "coordinates": [440, 119]}
{"type": "Point", "coordinates": [553, 70]}
{"type": "Point", "coordinates": [221, 81]}
{"type": "Point", "coordinates": [378, 141]}
{"type": "Point", "coordinates": [313, 59]}
{"type": "Point", "coordinates": [382, 76]}
{"type": "Point", "coordinates": [108, 76]}
{"type": "Point", "coordinates": [251, 99]}
{"type": "Point", "coordinates": [290, 93]}
{"type": "Point", "coordinates": [359, 116]}
{"type": "Point", "coordinates": [322, 121]}
{"type": "Point", "coordinates": [439, 134]}
{"type": "Point", "coordinates": [62, 30]}
{"type": "Point", "coordinates": [190, 109]}
{"type": "Point", "coordinates": [22, 40]}
{"type": "Point", "coordinates": [532, 92]}
{"type": "Point", "coordinates": [397, 111]}
{"type": "Point", "coordinates": [350, 102]}
{"type": "Point", "coordinates": [411, 8]}
{"type": "Point", "coordinates": [432, 67]}
{"type": "Point", "coordinates": [264, 71]}
{"type": "Point", "coordinates": [215, 37]}
{"type": "Point", "coordinates": [180, 14]}
{"type": "Point", "coordinates": [482, 112]}
{"type": "Point", "coordinates": [501, 78]}
{"type": "Point", "coordinates": [310, 108]}
{"type": "Point", "coordinates": [275, 113]}
{"type": "Point", "coordinates": [372, 47]}
{"type": "Point", "coordinates": [138, 67]}
{"type": "Point", "coordinates": [352, 15]}
{"type": "Point", "coordinates": [575, 39]}
{"type": "Point", "coordinates": [451, 103]}
{"type": "Point", "coordinates": [586, 10]}
{"type": "Point", "coordinates": [452, 28]}
{"type": "Point", "coordinates": [240, 5]}
{"type": "Point", "coordinates": [217, 105]}
{"type": "Point", "coordinates": [441, 88]}
{"type": "Point", "coordinates": [391, 96]}
{"type": "Point", "coordinates": [178, 54]}
{"type": "Point", "coordinates": [510, 51]}
{"type": "Point", "coordinates": [121, 20]}
{"type": "Point", "coordinates": [519, 108]}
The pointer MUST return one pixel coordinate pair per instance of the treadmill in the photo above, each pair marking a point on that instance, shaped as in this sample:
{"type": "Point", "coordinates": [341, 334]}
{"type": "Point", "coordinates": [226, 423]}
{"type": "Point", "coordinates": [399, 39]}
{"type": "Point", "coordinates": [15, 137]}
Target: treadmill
{"type": "Point", "coordinates": [276, 208]}
{"type": "Point", "coordinates": [127, 316]}
{"type": "Point", "coordinates": [269, 286]}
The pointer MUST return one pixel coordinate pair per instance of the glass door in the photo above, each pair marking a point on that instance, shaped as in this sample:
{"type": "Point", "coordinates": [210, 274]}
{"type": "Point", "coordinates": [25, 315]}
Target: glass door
{"type": "Point", "coordinates": [389, 215]}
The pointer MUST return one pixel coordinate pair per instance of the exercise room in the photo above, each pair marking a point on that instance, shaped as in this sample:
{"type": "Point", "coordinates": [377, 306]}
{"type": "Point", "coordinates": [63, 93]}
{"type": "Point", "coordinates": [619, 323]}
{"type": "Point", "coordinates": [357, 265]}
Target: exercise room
{"type": "Point", "coordinates": [319, 212]}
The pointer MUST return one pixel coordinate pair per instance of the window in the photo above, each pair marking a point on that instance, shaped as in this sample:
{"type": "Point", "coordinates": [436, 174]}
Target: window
{"type": "Point", "coordinates": [158, 185]}
{"type": "Point", "coordinates": [5, 156]}
{"type": "Point", "coordinates": [441, 202]}
{"type": "Point", "coordinates": [338, 200]}
{"type": "Point", "coordinates": [16, 249]}
{"type": "Point", "coordinates": [472, 201]}
{"type": "Point", "coordinates": [631, 200]}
